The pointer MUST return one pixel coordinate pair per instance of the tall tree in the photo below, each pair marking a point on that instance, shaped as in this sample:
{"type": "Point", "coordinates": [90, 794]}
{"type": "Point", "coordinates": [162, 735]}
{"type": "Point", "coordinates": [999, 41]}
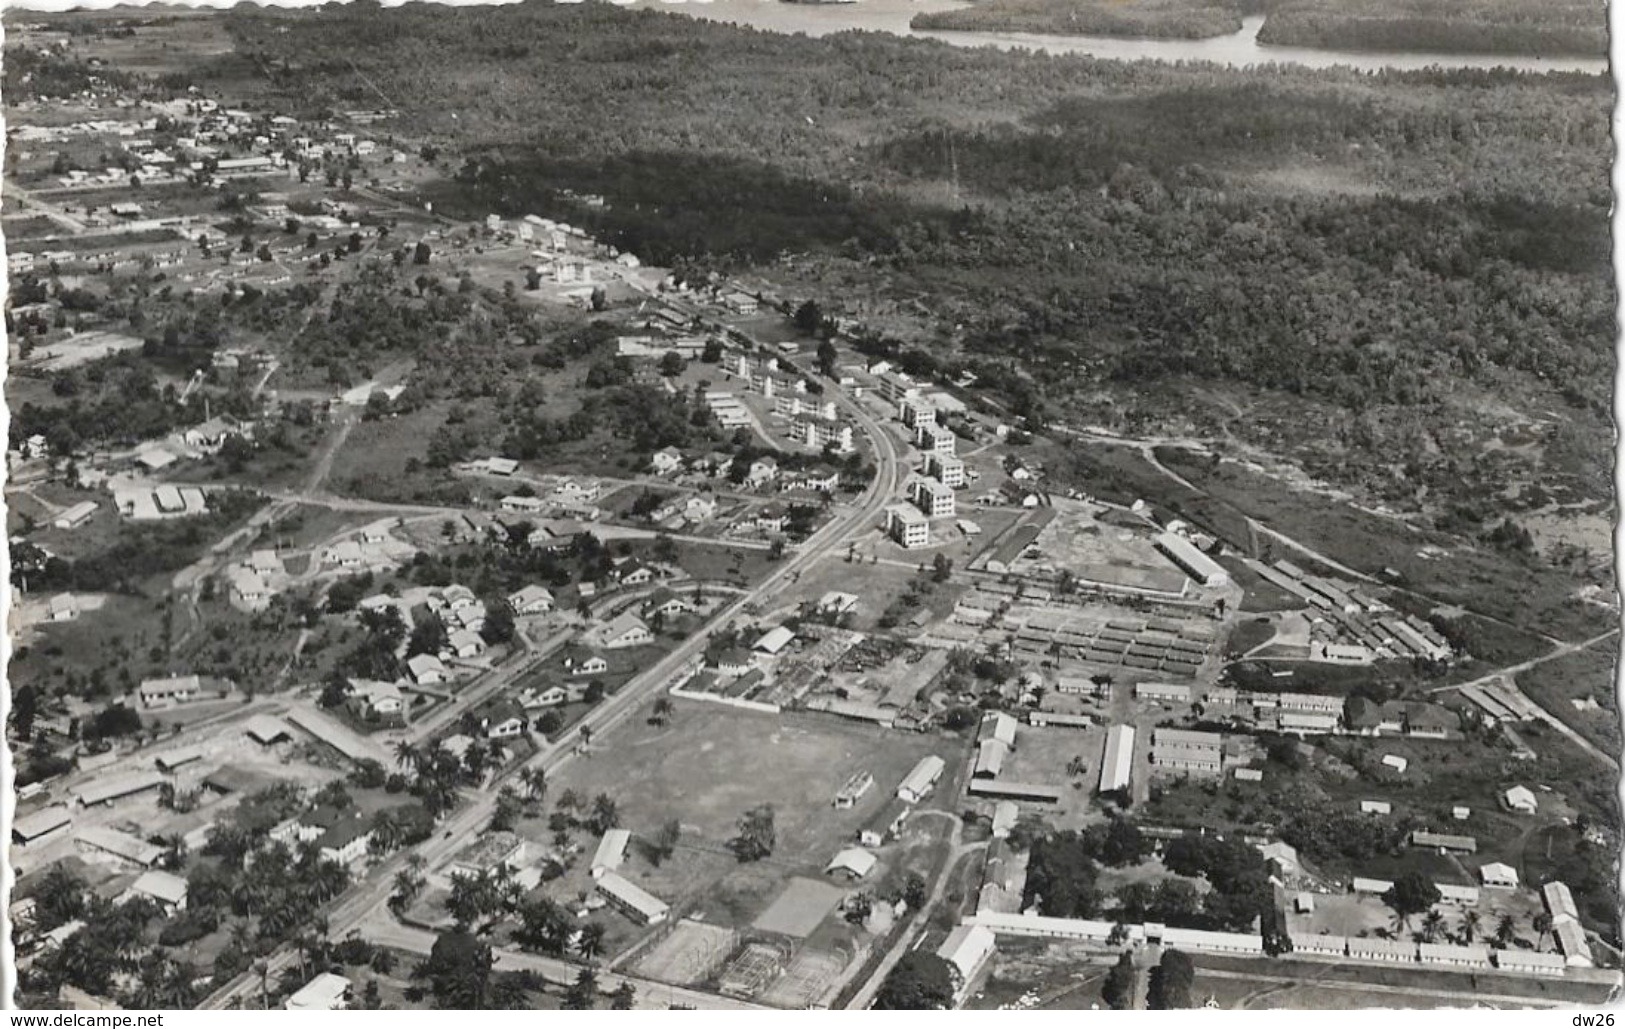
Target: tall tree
{"type": "Point", "coordinates": [459, 971]}
{"type": "Point", "coordinates": [757, 835]}
{"type": "Point", "coordinates": [1171, 982]}
{"type": "Point", "coordinates": [1118, 991]}
{"type": "Point", "coordinates": [921, 981]}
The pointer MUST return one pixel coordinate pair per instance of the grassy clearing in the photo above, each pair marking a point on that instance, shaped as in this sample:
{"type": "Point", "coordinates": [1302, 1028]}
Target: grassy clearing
{"type": "Point", "coordinates": [1587, 675]}
{"type": "Point", "coordinates": [1502, 587]}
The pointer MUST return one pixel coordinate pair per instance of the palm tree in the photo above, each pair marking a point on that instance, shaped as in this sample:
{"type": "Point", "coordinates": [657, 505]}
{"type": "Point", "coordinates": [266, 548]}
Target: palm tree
{"type": "Point", "coordinates": [1504, 930]}
{"type": "Point", "coordinates": [408, 756]}
{"type": "Point", "coordinates": [534, 780]}
{"type": "Point", "coordinates": [1470, 925]}
{"type": "Point", "coordinates": [263, 969]}
{"type": "Point", "coordinates": [591, 942]}
{"type": "Point", "coordinates": [1543, 925]}
{"type": "Point", "coordinates": [1432, 925]}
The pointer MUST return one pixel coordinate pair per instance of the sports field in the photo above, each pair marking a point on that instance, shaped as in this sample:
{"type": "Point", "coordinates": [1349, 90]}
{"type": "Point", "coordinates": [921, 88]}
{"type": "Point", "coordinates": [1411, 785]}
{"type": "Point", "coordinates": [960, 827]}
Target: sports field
{"type": "Point", "coordinates": [709, 764]}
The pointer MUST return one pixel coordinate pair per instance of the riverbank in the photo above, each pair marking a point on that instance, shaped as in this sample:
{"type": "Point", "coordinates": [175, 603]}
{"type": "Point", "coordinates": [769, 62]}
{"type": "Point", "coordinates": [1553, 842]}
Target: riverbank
{"type": "Point", "coordinates": [1567, 28]}
{"type": "Point", "coordinates": [1241, 49]}
{"type": "Point", "coordinates": [1155, 19]}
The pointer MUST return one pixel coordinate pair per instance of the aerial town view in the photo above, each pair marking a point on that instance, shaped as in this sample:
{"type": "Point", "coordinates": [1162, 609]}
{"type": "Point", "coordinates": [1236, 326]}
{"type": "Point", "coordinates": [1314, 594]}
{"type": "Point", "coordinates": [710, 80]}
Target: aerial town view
{"type": "Point", "coordinates": [903, 504]}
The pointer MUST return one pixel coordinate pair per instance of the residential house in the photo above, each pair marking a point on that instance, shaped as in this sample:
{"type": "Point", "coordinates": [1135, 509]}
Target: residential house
{"type": "Point", "coordinates": [667, 461]}
{"type": "Point", "coordinates": [531, 600]}
{"type": "Point", "coordinates": [326, 992]}
{"type": "Point", "coordinates": [632, 572]}
{"type": "Point", "coordinates": [346, 842]}
{"type": "Point", "coordinates": [854, 863]}
{"type": "Point", "coordinates": [465, 643]}
{"type": "Point", "coordinates": [699, 507]}
{"type": "Point", "coordinates": [1521, 799]}
{"type": "Point", "coordinates": [666, 604]}
{"type": "Point", "coordinates": [166, 890]}
{"type": "Point", "coordinates": [626, 630]}
{"type": "Point", "coordinates": [374, 700]}
{"type": "Point", "coordinates": [427, 669]}
{"type": "Point", "coordinates": [581, 661]}
{"type": "Point", "coordinates": [503, 721]}
{"type": "Point", "coordinates": [763, 470]}
{"type": "Point", "coordinates": [772, 518]}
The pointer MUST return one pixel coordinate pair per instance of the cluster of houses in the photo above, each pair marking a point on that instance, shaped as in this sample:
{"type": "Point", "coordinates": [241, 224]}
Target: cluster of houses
{"type": "Point", "coordinates": [251, 583]}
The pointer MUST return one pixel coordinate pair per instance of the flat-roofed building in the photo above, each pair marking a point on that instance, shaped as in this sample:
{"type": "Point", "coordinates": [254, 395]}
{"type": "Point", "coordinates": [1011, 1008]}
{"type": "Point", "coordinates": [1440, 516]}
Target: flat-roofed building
{"type": "Point", "coordinates": [949, 470]}
{"type": "Point", "coordinates": [932, 438]}
{"type": "Point", "coordinates": [934, 498]}
{"type": "Point", "coordinates": [907, 526]}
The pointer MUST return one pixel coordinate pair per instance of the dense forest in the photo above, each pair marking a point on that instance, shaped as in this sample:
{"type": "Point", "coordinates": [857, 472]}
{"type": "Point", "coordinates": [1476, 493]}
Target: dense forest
{"type": "Point", "coordinates": [1153, 19]}
{"type": "Point", "coordinates": [1377, 247]}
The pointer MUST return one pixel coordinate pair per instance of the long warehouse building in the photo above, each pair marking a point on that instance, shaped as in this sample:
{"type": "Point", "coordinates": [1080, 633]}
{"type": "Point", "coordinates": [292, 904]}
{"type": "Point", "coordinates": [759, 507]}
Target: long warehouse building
{"type": "Point", "coordinates": [1117, 764]}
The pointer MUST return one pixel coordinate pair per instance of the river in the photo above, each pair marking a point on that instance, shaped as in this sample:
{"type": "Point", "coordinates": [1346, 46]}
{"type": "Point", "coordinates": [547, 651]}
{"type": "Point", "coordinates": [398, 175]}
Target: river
{"type": "Point", "coordinates": [1239, 50]}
